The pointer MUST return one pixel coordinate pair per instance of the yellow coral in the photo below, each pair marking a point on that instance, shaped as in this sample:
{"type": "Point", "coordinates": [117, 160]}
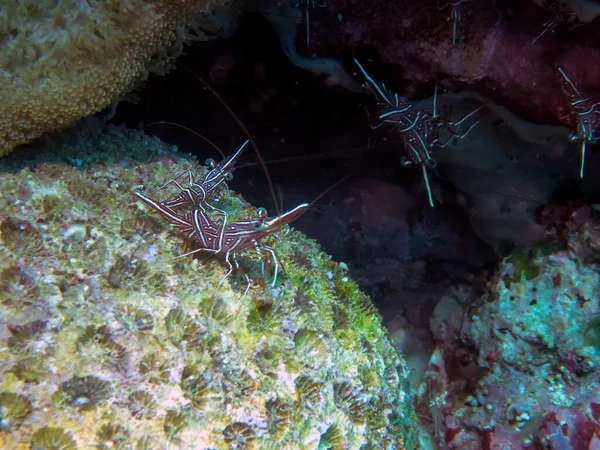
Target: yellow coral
{"type": "Point", "coordinates": [61, 60]}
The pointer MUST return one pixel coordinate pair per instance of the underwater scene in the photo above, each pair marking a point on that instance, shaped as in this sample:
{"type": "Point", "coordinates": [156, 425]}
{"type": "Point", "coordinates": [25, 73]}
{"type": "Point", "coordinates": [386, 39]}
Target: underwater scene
{"type": "Point", "coordinates": [299, 224]}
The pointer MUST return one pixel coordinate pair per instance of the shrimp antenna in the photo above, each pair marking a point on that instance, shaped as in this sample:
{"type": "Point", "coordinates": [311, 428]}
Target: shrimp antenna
{"type": "Point", "coordinates": [201, 136]}
{"type": "Point", "coordinates": [243, 128]}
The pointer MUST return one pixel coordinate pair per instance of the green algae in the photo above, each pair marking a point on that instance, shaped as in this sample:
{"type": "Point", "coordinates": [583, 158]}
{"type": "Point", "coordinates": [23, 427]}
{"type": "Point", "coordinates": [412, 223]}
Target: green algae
{"type": "Point", "coordinates": [525, 267]}
{"type": "Point", "coordinates": [527, 263]}
{"type": "Point", "coordinates": [592, 334]}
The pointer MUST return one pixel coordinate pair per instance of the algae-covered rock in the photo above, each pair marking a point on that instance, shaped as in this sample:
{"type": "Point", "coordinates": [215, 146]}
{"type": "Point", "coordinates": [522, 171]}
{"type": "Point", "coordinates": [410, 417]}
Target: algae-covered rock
{"type": "Point", "coordinates": [528, 349]}
{"type": "Point", "coordinates": [107, 341]}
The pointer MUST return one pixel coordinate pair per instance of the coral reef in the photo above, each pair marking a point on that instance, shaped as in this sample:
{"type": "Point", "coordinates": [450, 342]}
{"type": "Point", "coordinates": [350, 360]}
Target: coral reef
{"type": "Point", "coordinates": [486, 47]}
{"type": "Point", "coordinates": [106, 341]}
{"type": "Point", "coordinates": [518, 366]}
{"type": "Point", "coordinates": [65, 60]}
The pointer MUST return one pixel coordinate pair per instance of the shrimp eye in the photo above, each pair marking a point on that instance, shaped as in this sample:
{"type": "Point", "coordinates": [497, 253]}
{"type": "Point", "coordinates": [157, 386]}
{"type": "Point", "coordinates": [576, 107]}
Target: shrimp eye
{"type": "Point", "coordinates": [210, 163]}
{"type": "Point", "coordinates": [405, 162]}
{"type": "Point", "coordinates": [228, 176]}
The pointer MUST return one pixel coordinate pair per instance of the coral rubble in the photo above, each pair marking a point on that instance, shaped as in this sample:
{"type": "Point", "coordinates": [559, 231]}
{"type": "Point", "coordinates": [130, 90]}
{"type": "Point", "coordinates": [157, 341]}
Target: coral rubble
{"type": "Point", "coordinates": [106, 341]}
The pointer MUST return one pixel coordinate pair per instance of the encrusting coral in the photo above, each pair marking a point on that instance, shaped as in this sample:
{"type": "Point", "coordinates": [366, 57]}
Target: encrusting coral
{"type": "Point", "coordinates": [106, 341]}
{"type": "Point", "coordinates": [64, 60]}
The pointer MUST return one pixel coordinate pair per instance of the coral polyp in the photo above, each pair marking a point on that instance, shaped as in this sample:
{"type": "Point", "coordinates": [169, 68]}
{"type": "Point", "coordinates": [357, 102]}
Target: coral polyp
{"type": "Point", "coordinates": [308, 392]}
{"type": "Point", "coordinates": [175, 421]}
{"type": "Point", "coordinates": [240, 436]}
{"type": "Point", "coordinates": [111, 436]}
{"type": "Point", "coordinates": [142, 404]}
{"type": "Point", "coordinates": [52, 438]}
{"type": "Point", "coordinates": [332, 439]}
{"type": "Point", "coordinates": [350, 400]}
{"type": "Point", "coordinates": [279, 416]}
{"type": "Point", "coordinates": [14, 410]}
{"type": "Point", "coordinates": [83, 393]}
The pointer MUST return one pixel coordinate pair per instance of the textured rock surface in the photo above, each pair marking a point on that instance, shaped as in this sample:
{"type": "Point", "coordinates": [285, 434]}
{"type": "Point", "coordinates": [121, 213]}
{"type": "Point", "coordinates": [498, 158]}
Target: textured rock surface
{"type": "Point", "coordinates": [64, 60]}
{"type": "Point", "coordinates": [518, 367]}
{"type": "Point", "coordinates": [107, 342]}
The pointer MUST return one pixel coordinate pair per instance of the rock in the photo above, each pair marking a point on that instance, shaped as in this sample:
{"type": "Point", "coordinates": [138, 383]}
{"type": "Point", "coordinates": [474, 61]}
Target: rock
{"type": "Point", "coordinates": [493, 51]}
{"type": "Point", "coordinates": [533, 380]}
